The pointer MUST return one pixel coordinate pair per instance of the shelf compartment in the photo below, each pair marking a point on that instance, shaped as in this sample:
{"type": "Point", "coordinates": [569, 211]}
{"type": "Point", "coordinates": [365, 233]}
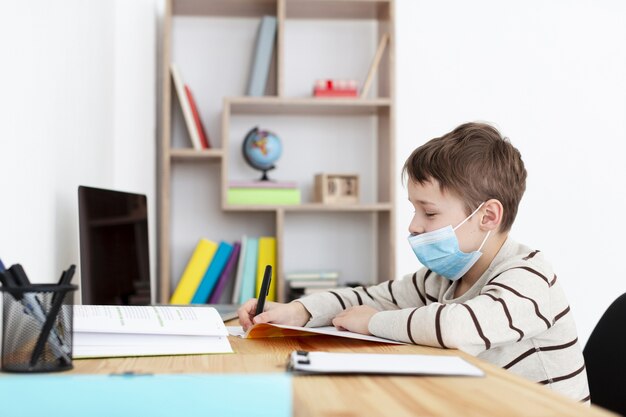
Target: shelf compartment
{"type": "Point", "coordinates": [306, 106]}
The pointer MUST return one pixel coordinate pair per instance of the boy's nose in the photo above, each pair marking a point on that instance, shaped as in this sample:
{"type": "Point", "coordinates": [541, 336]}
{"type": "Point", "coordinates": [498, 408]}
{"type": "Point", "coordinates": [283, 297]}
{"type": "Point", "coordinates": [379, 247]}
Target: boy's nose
{"type": "Point", "coordinates": [415, 229]}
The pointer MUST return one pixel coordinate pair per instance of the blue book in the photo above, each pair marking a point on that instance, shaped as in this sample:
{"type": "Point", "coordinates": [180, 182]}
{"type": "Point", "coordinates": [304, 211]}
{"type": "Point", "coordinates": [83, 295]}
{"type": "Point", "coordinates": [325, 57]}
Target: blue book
{"type": "Point", "coordinates": [212, 273]}
{"type": "Point", "coordinates": [191, 395]}
{"type": "Point", "coordinates": [248, 277]}
{"type": "Point", "coordinates": [262, 56]}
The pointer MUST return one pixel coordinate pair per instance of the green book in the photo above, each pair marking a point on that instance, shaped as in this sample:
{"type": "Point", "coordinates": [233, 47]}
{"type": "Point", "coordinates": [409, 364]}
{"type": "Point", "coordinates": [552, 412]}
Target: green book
{"type": "Point", "coordinates": [270, 196]}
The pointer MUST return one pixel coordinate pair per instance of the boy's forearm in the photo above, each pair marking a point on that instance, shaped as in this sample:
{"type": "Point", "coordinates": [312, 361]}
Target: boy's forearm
{"type": "Point", "coordinates": [389, 295]}
{"type": "Point", "coordinates": [323, 307]}
{"type": "Point", "coordinates": [474, 326]}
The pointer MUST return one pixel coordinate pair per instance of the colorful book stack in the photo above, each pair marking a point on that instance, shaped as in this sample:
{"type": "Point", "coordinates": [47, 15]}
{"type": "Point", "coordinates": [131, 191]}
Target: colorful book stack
{"type": "Point", "coordinates": [309, 282]}
{"type": "Point", "coordinates": [263, 193]}
{"type": "Point", "coordinates": [225, 273]}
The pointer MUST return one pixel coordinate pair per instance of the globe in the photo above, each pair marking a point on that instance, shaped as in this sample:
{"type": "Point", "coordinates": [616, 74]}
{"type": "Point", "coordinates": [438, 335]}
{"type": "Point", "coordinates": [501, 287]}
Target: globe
{"type": "Point", "coordinates": [261, 149]}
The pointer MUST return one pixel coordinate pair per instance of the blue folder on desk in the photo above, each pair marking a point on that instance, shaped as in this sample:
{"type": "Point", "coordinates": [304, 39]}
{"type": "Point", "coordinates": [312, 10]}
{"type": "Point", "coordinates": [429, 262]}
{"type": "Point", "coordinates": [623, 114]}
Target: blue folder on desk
{"type": "Point", "coordinates": [188, 395]}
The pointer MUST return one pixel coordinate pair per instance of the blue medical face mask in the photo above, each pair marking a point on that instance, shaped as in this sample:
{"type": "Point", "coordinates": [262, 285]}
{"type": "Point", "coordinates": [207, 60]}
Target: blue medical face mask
{"type": "Point", "coordinates": [439, 251]}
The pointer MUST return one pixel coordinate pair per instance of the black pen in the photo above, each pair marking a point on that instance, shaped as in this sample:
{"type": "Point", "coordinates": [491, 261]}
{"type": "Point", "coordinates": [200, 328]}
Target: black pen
{"type": "Point", "coordinates": [8, 280]}
{"type": "Point", "coordinates": [265, 289]}
{"type": "Point", "coordinates": [19, 275]}
{"type": "Point", "coordinates": [67, 275]}
{"type": "Point", "coordinates": [66, 278]}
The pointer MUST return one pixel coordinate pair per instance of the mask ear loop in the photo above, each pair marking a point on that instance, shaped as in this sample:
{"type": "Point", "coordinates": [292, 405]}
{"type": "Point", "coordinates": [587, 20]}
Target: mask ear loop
{"type": "Point", "coordinates": [469, 217]}
{"type": "Point", "coordinates": [484, 240]}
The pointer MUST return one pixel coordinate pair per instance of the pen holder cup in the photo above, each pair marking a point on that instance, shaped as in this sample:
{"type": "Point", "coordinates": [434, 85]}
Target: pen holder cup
{"type": "Point", "coordinates": [37, 325]}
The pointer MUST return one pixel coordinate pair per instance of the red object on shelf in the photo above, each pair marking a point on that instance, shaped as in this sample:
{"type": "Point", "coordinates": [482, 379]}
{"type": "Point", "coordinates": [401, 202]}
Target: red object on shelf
{"type": "Point", "coordinates": [204, 138]}
{"type": "Point", "coordinates": [335, 88]}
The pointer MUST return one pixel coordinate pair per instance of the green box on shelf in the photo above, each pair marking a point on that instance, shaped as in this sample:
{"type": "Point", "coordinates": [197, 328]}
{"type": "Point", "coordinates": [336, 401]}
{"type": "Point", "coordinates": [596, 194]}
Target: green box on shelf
{"type": "Point", "coordinates": [263, 196]}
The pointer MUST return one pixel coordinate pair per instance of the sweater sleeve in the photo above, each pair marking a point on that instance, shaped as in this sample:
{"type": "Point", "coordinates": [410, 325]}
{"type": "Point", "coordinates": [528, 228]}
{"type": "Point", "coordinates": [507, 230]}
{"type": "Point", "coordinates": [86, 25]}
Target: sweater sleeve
{"type": "Point", "coordinates": [514, 305]}
{"type": "Point", "coordinates": [390, 295]}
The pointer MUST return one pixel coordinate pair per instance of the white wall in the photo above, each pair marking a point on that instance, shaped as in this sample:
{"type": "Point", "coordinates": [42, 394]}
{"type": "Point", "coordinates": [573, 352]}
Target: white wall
{"type": "Point", "coordinates": [77, 106]}
{"type": "Point", "coordinates": [551, 77]}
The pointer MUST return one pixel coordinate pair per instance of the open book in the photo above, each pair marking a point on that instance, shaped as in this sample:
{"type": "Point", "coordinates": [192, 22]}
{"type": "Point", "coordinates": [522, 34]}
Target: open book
{"type": "Point", "coordinates": [109, 331]}
{"type": "Point", "coordinates": [281, 330]}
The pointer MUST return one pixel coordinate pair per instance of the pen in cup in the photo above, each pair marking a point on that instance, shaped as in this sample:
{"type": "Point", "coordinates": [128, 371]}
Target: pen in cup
{"type": "Point", "coordinates": [265, 289]}
{"type": "Point", "coordinates": [46, 329]}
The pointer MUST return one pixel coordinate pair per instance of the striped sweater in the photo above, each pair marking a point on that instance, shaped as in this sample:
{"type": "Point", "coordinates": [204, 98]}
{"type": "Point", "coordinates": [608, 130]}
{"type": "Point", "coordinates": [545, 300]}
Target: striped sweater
{"type": "Point", "coordinates": [515, 316]}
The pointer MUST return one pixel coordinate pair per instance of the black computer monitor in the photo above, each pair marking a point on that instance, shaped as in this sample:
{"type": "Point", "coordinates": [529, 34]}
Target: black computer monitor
{"type": "Point", "coordinates": [114, 251]}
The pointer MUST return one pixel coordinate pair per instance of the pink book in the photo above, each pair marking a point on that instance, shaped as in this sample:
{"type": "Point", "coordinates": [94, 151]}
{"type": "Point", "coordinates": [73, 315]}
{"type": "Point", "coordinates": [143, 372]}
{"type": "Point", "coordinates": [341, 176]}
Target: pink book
{"type": "Point", "coordinates": [221, 283]}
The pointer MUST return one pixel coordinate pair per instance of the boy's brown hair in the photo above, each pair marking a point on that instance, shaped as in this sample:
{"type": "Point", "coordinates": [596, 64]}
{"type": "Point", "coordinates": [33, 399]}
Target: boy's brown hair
{"type": "Point", "coordinates": [476, 163]}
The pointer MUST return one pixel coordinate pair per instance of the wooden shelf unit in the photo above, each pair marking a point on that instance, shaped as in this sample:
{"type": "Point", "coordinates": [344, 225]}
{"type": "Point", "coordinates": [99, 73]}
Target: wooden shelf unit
{"type": "Point", "coordinates": [310, 106]}
{"type": "Point", "coordinates": [314, 207]}
{"type": "Point", "coordinates": [190, 153]}
{"type": "Point", "coordinates": [379, 107]}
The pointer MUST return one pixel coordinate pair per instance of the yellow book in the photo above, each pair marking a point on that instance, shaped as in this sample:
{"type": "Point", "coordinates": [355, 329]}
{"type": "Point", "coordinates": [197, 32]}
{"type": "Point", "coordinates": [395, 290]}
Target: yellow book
{"type": "Point", "coordinates": [194, 271]}
{"type": "Point", "coordinates": [267, 256]}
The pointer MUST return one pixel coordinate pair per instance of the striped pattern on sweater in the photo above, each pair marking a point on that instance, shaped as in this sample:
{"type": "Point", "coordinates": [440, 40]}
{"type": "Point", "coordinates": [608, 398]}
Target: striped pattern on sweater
{"type": "Point", "coordinates": [516, 316]}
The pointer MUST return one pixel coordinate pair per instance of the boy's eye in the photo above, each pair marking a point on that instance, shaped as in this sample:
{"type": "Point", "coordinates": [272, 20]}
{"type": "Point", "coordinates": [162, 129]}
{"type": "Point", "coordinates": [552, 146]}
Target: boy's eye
{"type": "Point", "coordinates": [431, 214]}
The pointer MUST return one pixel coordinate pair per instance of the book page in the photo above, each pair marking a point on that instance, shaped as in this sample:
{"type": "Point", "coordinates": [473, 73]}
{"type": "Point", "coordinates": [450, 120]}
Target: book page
{"type": "Point", "coordinates": [106, 345]}
{"type": "Point", "coordinates": [181, 320]}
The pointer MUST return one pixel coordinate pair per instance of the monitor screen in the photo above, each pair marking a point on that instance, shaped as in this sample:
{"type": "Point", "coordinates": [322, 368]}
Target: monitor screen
{"type": "Point", "coordinates": [114, 252]}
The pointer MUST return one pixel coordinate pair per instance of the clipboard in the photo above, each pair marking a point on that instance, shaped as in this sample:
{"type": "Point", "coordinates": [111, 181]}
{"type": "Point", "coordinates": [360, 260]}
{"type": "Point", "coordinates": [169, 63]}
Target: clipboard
{"type": "Point", "coordinates": [380, 364]}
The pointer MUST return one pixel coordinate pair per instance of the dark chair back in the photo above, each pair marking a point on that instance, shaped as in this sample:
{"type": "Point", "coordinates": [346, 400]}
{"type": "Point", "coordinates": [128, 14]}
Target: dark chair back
{"type": "Point", "coordinates": [605, 357]}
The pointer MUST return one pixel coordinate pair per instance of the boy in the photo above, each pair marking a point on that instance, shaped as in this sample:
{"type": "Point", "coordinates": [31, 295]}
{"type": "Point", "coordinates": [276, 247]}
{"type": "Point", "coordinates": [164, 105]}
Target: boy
{"type": "Point", "coordinates": [479, 290]}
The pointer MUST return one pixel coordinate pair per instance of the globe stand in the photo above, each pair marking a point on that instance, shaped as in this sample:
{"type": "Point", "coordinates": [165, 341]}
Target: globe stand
{"type": "Point", "coordinates": [264, 177]}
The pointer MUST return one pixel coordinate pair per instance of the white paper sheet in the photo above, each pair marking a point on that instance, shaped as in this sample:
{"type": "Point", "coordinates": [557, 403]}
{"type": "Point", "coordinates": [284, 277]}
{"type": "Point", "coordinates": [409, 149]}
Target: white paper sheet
{"type": "Point", "coordinates": [374, 363]}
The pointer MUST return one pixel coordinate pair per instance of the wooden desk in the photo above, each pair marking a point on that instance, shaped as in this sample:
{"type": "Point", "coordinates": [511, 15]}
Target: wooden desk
{"type": "Point", "coordinates": [499, 394]}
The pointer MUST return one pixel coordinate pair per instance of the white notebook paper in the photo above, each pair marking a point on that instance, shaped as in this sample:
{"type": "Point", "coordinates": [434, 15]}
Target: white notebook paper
{"type": "Point", "coordinates": [375, 363]}
{"type": "Point", "coordinates": [110, 331]}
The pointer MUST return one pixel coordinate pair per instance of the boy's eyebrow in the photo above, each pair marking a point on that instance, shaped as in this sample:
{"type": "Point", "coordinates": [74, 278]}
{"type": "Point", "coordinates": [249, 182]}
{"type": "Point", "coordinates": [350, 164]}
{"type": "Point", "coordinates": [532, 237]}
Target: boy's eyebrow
{"type": "Point", "coordinates": [423, 202]}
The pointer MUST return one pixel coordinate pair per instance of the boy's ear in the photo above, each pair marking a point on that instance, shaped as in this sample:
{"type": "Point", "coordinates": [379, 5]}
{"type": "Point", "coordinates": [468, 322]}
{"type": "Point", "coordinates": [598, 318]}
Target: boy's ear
{"type": "Point", "coordinates": [492, 212]}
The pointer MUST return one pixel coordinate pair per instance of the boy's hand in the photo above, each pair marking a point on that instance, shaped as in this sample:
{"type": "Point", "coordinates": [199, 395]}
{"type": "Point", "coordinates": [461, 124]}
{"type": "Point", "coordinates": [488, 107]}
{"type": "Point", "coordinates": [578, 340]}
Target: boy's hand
{"type": "Point", "coordinates": [292, 314]}
{"type": "Point", "coordinates": [355, 319]}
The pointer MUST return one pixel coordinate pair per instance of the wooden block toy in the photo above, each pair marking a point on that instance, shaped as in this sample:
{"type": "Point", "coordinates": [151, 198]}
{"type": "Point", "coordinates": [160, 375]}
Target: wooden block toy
{"type": "Point", "coordinates": [337, 188]}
